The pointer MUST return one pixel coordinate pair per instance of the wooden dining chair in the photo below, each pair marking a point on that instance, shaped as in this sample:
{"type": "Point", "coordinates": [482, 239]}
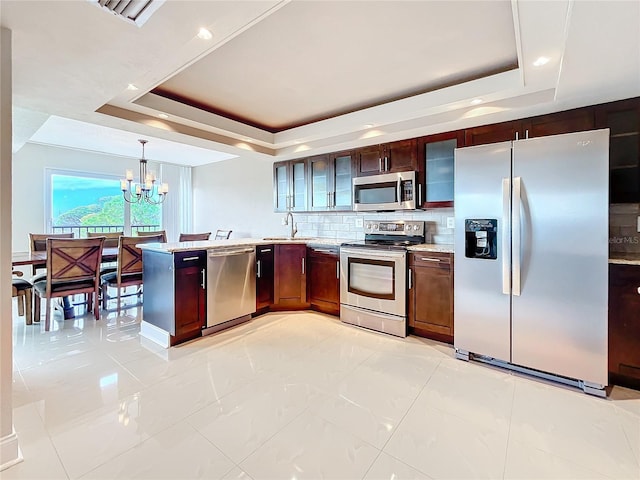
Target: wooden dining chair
{"type": "Point", "coordinates": [192, 237]}
{"type": "Point", "coordinates": [222, 234]}
{"type": "Point", "coordinates": [110, 238]}
{"type": "Point", "coordinates": [129, 270]}
{"type": "Point", "coordinates": [23, 290]}
{"type": "Point", "coordinates": [110, 241]}
{"type": "Point", "coordinates": [38, 243]}
{"type": "Point", "coordinates": [162, 233]}
{"type": "Point", "coordinates": [72, 268]}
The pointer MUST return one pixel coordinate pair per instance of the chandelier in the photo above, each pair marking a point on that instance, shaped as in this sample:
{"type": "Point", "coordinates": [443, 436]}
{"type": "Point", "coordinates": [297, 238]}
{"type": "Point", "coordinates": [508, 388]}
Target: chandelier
{"type": "Point", "coordinates": [146, 190]}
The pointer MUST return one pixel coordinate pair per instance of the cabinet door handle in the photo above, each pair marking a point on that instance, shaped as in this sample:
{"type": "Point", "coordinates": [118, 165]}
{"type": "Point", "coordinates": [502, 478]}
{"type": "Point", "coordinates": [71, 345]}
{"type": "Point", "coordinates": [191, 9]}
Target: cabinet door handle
{"type": "Point", "coordinates": [410, 279]}
{"type": "Point", "coordinates": [427, 259]}
{"type": "Point", "coordinates": [265, 250]}
{"type": "Point", "coordinates": [189, 259]}
{"type": "Point", "coordinates": [419, 194]}
{"type": "Point", "coordinates": [303, 266]}
{"type": "Point", "coordinates": [328, 199]}
{"type": "Point", "coordinates": [386, 164]}
{"type": "Point", "coordinates": [338, 270]}
{"type": "Point", "coordinates": [259, 272]}
{"type": "Point", "coordinates": [332, 197]}
{"type": "Point", "coordinates": [380, 164]}
{"type": "Point", "coordinates": [202, 284]}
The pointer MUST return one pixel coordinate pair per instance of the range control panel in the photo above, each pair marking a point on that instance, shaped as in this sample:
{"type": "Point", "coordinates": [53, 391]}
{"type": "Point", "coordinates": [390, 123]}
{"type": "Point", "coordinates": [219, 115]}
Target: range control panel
{"type": "Point", "coordinates": [396, 227]}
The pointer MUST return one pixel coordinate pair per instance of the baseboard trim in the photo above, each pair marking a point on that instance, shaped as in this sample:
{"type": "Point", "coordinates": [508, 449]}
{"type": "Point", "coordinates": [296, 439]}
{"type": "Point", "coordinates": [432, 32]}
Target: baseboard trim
{"type": "Point", "coordinates": [10, 453]}
{"type": "Point", "coordinates": [155, 334]}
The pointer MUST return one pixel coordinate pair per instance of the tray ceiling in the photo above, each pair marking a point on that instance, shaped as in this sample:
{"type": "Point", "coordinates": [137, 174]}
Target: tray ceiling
{"type": "Point", "coordinates": [315, 60]}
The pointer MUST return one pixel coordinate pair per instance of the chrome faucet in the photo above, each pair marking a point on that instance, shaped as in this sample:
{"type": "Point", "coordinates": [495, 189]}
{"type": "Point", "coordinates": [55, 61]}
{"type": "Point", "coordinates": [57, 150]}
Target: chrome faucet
{"type": "Point", "coordinates": [288, 220]}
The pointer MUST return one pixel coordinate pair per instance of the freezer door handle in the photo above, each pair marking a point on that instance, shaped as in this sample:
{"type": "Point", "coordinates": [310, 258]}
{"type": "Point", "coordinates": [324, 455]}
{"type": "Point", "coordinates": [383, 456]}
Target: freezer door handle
{"type": "Point", "coordinates": [516, 235]}
{"type": "Point", "coordinates": [506, 253]}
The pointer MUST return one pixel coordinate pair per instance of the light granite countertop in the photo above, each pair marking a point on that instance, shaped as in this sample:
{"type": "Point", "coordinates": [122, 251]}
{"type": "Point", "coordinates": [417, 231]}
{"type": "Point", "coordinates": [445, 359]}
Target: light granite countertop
{"type": "Point", "coordinates": [241, 242]}
{"type": "Point", "coordinates": [625, 258]}
{"type": "Point", "coordinates": [432, 247]}
{"type": "Point", "coordinates": [235, 242]}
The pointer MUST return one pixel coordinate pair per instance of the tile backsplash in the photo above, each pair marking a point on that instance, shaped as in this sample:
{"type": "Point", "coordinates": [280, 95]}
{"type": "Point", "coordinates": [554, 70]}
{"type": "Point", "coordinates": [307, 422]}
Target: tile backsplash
{"type": "Point", "coordinates": [343, 224]}
{"type": "Point", "coordinates": [623, 228]}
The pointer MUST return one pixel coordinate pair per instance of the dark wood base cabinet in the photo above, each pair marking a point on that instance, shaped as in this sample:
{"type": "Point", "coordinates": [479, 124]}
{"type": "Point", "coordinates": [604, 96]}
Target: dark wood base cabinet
{"type": "Point", "coordinates": [290, 277]}
{"type": "Point", "coordinates": [175, 293]}
{"type": "Point", "coordinates": [624, 325]}
{"type": "Point", "coordinates": [264, 278]}
{"type": "Point", "coordinates": [323, 274]}
{"type": "Point", "coordinates": [430, 309]}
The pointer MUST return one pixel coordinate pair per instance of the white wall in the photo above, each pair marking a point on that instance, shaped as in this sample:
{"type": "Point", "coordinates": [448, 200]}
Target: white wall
{"type": "Point", "coordinates": [29, 187]}
{"type": "Point", "coordinates": [238, 195]}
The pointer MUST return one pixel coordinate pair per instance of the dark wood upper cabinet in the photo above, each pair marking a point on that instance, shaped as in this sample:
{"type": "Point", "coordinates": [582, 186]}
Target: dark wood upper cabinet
{"type": "Point", "coordinates": [323, 275]}
{"type": "Point", "coordinates": [290, 185]}
{"type": "Point", "coordinates": [436, 172]}
{"type": "Point", "coordinates": [400, 156]}
{"type": "Point", "coordinates": [430, 309]}
{"type": "Point", "coordinates": [369, 160]}
{"type": "Point", "coordinates": [577, 120]}
{"type": "Point", "coordinates": [290, 277]}
{"type": "Point", "coordinates": [329, 186]}
{"type": "Point", "coordinates": [623, 120]}
{"type": "Point", "coordinates": [497, 132]}
{"type": "Point", "coordinates": [264, 277]}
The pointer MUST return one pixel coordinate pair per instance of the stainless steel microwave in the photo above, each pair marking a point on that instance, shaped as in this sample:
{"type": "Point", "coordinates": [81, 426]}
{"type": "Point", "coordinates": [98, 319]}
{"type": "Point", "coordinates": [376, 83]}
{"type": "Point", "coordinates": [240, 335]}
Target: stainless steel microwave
{"type": "Point", "coordinates": [388, 191]}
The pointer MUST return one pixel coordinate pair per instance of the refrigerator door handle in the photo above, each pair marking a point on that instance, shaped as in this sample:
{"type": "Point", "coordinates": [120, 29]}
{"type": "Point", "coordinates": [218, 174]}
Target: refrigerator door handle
{"type": "Point", "coordinates": [506, 228]}
{"type": "Point", "coordinates": [516, 235]}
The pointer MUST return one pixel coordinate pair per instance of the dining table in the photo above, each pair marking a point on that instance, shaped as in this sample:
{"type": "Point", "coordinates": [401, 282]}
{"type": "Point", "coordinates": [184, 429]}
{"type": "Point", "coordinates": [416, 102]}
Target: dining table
{"type": "Point", "coordinates": [21, 259]}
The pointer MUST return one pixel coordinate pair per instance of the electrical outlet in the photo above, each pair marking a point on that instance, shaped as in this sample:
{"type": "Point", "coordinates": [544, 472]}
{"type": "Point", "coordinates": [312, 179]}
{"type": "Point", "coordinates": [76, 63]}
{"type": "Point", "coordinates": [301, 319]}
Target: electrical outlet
{"type": "Point", "coordinates": [451, 222]}
{"type": "Point", "coordinates": [360, 222]}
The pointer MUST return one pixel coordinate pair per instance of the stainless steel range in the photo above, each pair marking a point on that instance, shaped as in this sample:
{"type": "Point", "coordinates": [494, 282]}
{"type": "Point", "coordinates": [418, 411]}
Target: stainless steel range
{"type": "Point", "coordinates": [373, 276]}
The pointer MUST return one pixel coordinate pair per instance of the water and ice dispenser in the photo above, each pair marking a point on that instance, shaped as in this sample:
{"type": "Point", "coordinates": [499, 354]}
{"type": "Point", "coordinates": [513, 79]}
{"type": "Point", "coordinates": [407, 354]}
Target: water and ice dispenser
{"type": "Point", "coordinates": [481, 238]}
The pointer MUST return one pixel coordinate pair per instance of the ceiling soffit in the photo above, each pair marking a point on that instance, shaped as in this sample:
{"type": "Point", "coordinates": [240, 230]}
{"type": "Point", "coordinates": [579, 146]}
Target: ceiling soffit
{"type": "Point", "coordinates": [311, 61]}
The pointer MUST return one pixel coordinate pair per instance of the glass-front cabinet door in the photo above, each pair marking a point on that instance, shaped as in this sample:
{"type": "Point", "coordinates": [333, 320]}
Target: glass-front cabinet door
{"type": "Point", "coordinates": [289, 185]}
{"type": "Point", "coordinates": [437, 155]}
{"type": "Point", "coordinates": [342, 196]}
{"type": "Point", "coordinates": [319, 185]}
{"type": "Point", "coordinates": [281, 186]}
{"type": "Point", "coordinates": [298, 185]}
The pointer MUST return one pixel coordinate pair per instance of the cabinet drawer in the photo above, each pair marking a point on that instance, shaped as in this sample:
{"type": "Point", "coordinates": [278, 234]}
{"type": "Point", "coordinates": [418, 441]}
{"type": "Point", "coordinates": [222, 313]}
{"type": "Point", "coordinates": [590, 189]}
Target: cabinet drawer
{"type": "Point", "coordinates": [190, 259]}
{"type": "Point", "coordinates": [430, 259]}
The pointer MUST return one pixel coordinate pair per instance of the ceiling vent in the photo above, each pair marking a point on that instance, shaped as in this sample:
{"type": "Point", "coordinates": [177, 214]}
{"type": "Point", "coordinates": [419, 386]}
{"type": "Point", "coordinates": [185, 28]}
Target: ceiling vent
{"type": "Point", "coordinates": [136, 12]}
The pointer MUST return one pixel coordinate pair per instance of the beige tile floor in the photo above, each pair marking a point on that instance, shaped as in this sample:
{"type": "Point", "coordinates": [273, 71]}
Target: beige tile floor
{"type": "Point", "coordinates": [298, 396]}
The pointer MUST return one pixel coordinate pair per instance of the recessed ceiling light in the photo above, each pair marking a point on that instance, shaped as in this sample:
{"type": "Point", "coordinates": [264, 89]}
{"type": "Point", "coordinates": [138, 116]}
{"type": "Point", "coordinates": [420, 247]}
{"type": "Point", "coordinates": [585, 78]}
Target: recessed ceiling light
{"type": "Point", "coordinates": [131, 86]}
{"type": "Point", "coordinates": [540, 61]}
{"type": "Point", "coordinates": [163, 115]}
{"type": "Point", "coordinates": [205, 34]}
{"type": "Point", "coordinates": [369, 125]}
{"type": "Point", "coordinates": [476, 101]}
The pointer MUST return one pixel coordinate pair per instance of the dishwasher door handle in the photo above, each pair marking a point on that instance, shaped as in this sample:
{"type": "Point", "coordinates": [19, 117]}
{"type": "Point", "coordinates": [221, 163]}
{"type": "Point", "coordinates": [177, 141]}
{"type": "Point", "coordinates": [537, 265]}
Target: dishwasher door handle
{"type": "Point", "coordinates": [226, 253]}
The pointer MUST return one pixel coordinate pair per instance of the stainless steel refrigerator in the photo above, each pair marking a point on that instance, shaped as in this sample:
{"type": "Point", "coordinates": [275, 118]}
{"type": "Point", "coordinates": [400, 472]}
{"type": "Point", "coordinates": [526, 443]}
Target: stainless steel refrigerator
{"type": "Point", "coordinates": [531, 263]}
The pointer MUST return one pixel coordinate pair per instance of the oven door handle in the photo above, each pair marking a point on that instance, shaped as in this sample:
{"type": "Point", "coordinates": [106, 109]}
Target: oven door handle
{"type": "Point", "coordinates": [370, 254]}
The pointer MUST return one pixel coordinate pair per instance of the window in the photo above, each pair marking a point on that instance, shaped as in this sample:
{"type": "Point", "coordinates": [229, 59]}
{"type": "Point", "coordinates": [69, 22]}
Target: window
{"type": "Point", "coordinates": [82, 202]}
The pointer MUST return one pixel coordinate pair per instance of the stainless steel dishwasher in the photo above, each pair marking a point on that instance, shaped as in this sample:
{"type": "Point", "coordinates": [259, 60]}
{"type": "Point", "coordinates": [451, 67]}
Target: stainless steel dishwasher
{"type": "Point", "coordinates": [231, 286]}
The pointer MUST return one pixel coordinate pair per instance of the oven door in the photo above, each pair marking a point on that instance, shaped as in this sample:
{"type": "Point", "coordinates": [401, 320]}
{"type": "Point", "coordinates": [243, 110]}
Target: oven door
{"type": "Point", "coordinates": [374, 279]}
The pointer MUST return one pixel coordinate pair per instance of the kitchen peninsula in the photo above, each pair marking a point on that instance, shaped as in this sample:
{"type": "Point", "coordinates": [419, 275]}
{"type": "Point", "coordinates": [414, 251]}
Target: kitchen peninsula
{"type": "Point", "coordinates": [302, 272]}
